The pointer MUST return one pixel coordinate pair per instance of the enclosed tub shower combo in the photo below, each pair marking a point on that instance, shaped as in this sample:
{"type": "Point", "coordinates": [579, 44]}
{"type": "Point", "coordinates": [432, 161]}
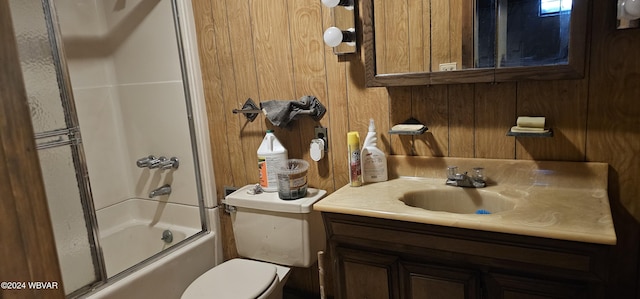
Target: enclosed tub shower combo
{"type": "Point", "coordinates": [118, 109]}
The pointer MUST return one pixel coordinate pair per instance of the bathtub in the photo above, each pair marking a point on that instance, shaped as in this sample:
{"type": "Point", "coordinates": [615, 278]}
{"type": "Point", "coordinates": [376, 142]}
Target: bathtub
{"type": "Point", "coordinates": [131, 231]}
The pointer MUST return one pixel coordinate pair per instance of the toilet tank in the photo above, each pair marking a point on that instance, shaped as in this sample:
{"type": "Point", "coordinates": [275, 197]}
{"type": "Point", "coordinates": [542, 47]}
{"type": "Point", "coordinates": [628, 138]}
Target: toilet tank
{"type": "Point", "coordinates": [285, 232]}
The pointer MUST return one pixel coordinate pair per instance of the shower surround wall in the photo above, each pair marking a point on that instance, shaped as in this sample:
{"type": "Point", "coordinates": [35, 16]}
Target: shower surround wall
{"type": "Point", "coordinates": [128, 89]}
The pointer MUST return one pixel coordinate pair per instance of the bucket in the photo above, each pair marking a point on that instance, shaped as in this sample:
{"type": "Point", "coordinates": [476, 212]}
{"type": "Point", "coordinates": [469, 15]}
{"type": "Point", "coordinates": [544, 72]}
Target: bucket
{"type": "Point", "coordinates": [292, 179]}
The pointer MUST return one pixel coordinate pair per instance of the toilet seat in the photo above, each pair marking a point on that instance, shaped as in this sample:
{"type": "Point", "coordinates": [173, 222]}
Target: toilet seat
{"type": "Point", "coordinates": [236, 278]}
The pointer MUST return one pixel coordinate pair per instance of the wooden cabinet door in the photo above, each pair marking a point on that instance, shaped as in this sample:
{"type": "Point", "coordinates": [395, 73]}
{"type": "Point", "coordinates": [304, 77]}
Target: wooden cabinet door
{"type": "Point", "coordinates": [365, 275]}
{"type": "Point", "coordinates": [503, 286]}
{"type": "Point", "coordinates": [426, 281]}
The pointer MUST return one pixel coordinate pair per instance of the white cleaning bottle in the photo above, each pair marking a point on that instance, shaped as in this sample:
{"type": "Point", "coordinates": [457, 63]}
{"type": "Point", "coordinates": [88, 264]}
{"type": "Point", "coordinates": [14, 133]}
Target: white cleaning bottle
{"type": "Point", "coordinates": [374, 161]}
{"type": "Point", "coordinates": [271, 157]}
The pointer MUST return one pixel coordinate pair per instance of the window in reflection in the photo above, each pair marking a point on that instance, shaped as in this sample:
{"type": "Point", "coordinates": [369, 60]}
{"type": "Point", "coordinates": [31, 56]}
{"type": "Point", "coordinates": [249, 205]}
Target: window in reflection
{"type": "Point", "coordinates": [551, 7]}
{"type": "Point", "coordinates": [485, 30]}
{"type": "Point", "coordinates": [532, 39]}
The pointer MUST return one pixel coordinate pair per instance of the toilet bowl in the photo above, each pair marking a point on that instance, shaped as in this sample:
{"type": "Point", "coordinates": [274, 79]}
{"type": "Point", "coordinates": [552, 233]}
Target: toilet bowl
{"type": "Point", "coordinates": [270, 234]}
{"type": "Point", "coordinates": [240, 278]}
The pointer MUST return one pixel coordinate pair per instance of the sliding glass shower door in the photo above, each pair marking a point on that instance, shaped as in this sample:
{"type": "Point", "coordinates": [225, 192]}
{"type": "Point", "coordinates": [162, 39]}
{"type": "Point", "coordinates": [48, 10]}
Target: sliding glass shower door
{"type": "Point", "coordinates": [59, 148]}
{"type": "Point", "coordinates": [114, 71]}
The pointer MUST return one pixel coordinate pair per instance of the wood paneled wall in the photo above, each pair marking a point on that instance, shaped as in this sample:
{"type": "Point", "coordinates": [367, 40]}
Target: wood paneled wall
{"type": "Point", "coordinates": [273, 49]}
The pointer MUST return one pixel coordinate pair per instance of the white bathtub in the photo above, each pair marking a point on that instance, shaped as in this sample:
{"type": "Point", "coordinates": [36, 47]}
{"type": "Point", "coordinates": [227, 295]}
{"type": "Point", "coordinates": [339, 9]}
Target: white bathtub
{"type": "Point", "coordinates": [131, 231]}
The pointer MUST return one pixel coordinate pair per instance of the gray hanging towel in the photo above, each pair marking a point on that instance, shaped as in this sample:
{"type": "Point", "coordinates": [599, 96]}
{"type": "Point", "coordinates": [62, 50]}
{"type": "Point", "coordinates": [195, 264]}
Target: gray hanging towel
{"type": "Point", "coordinates": [282, 112]}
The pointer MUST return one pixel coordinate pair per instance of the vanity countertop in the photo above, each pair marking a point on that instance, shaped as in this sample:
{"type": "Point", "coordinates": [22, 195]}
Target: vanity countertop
{"type": "Point", "coordinates": [558, 200]}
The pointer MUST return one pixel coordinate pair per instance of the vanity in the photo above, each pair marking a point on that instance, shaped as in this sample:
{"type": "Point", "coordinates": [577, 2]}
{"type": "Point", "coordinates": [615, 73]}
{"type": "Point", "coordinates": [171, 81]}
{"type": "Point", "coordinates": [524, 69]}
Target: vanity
{"type": "Point", "coordinates": [539, 229]}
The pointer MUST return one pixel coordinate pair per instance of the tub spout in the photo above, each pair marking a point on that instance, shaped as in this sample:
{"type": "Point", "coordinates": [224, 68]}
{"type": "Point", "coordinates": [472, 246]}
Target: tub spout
{"type": "Point", "coordinates": [164, 190]}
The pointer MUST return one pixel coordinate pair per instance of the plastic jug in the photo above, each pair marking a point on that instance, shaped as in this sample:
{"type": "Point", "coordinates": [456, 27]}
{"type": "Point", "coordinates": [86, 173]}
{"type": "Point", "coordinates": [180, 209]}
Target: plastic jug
{"type": "Point", "coordinates": [271, 157]}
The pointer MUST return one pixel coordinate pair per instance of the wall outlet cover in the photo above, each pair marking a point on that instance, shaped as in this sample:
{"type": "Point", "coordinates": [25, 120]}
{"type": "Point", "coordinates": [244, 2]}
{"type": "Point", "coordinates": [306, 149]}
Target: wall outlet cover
{"type": "Point", "coordinates": [447, 67]}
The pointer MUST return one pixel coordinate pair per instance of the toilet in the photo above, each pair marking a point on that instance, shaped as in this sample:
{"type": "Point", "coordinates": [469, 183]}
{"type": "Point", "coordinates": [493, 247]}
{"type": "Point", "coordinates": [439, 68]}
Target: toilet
{"type": "Point", "coordinates": [271, 235]}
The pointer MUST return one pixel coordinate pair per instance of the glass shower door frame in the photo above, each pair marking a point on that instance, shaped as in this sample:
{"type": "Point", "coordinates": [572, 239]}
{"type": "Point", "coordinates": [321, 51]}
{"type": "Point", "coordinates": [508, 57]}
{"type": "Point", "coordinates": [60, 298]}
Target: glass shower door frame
{"type": "Point", "coordinates": [74, 139]}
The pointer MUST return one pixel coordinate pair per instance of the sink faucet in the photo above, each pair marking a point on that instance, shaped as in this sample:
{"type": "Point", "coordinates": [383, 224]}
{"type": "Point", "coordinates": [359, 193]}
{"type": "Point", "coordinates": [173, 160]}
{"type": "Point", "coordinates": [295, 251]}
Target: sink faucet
{"type": "Point", "coordinates": [476, 180]}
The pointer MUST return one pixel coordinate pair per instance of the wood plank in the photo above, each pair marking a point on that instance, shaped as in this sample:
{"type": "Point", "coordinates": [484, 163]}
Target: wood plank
{"type": "Point", "coordinates": [456, 24]}
{"type": "Point", "coordinates": [440, 42]}
{"type": "Point", "coordinates": [212, 85]}
{"type": "Point", "coordinates": [400, 111]}
{"type": "Point", "coordinates": [461, 120]}
{"type": "Point", "coordinates": [426, 35]}
{"type": "Point", "coordinates": [495, 108]}
{"type": "Point", "coordinates": [366, 103]}
{"type": "Point", "coordinates": [310, 78]}
{"type": "Point", "coordinates": [213, 43]}
{"type": "Point", "coordinates": [240, 82]}
{"type": "Point", "coordinates": [334, 165]}
{"type": "Point", "coordinates": [396, 37]}
{"type": "Point", "coordinates": [416, 42]}
{"type": "Point", "coordinates": [430, 108]}
{"type": "Point", "coordinates": [270, 25]}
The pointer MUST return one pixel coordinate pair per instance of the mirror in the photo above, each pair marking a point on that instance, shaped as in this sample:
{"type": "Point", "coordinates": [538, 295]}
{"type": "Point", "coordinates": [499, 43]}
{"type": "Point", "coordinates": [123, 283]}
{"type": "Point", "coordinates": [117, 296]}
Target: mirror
{"type": "Point", "coordinates": [421, 42]}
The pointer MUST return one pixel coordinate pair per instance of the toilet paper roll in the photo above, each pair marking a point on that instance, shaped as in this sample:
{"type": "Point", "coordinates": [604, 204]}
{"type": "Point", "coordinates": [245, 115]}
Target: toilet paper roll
{"type": "Point", "coordinates": [531, 121]}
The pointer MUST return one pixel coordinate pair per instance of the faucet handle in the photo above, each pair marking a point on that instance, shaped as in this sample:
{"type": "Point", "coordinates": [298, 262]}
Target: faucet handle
{"type": "Point", "coordinates": [145, 161]}
{"type": "Point", "coordinates": [170, 163]}
{"type": "Point", "coordinates": [452, 171]}
{"type": "Point", "coordinates": [478, 174]}
{"type": "Point", "coordinates": [156, 163]}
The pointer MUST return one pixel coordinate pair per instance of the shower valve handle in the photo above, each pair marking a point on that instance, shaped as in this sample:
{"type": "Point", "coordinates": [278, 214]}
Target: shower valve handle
{"type": "Point", "coordinates": [170, 163]}
{"type": "Point", "coordinates": [145, 162]}
{"type": "Point", "coordinates": [156, 163]}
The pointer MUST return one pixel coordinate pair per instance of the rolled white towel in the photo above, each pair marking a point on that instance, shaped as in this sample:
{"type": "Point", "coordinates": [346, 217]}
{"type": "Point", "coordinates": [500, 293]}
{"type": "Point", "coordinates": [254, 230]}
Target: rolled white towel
{"type": "Point", "coordinates": [530, 122]}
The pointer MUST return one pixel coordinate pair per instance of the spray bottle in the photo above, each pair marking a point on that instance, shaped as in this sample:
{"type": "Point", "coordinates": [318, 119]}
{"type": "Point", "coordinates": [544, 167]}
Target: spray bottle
{"type": "Point", "coordinates": [355, 166]}
{"type": "Point", "coordinates": [374, 160]}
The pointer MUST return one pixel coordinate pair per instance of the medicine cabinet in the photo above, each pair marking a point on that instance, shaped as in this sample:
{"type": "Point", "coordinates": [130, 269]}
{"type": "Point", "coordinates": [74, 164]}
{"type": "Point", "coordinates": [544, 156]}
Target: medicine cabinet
{"type": "Point", "coordinates": [421, 42]}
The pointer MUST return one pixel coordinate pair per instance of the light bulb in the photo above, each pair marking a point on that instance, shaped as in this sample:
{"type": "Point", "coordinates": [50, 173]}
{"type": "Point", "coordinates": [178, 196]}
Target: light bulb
{"type": "Point", "coordinates": [330, 3]}
{"type": "Point", "coordinates": [632, 7]}
{"type": "Point", "coordinates": [333, 3]}
{"type": "Point", "coordinates": [333, 36]}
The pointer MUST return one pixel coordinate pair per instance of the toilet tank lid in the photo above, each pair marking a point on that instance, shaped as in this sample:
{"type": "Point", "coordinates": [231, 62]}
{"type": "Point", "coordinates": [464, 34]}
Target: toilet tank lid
{"type": "Point", "coordinates": [270, 201]}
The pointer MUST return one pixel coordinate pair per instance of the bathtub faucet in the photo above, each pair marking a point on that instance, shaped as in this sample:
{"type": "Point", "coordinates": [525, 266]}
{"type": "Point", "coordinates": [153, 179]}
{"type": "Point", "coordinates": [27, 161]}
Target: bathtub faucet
{"type": "Point", "coordinates": [164, 190]}
{"type": "Point", "coordinates": [476, 180]}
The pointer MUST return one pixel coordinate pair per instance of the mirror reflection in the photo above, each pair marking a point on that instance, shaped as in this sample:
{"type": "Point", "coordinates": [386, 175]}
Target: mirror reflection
{"type": "Point", "coordinates": [451, 35]}
{"type": "Point", "coordinates": [533, 32]}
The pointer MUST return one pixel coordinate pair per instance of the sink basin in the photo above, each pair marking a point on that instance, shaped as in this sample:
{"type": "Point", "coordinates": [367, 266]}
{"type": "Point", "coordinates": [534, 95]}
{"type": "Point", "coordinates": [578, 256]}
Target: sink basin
{"type": "Point", "coordinates": [458, 200]}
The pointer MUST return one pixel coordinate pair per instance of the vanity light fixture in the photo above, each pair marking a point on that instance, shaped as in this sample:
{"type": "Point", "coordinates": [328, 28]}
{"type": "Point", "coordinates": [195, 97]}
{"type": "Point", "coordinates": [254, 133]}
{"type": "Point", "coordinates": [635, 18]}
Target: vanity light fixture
{"type": "Point", "coordinates": [628, 14]}
{"type": "Point", "coordinates": [333, 36]}
{"type": "Point", "coordinates": [341, 36]}
{"type": "Point", "coordinates": [348, 4]}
